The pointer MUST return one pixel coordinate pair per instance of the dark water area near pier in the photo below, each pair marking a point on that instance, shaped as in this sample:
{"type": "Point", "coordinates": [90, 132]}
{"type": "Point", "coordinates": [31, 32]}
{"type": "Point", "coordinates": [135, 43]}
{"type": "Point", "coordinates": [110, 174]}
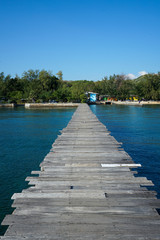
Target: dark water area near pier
{"type": "Point", "coordinates": [26, 136]}
{"type": "Point", "coordinates": [138, 128]}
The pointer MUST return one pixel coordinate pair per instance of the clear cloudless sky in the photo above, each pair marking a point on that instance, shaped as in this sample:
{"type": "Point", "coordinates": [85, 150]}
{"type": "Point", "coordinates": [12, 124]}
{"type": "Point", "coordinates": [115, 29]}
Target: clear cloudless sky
{"type": "Point", "coordinates": [86, 39]}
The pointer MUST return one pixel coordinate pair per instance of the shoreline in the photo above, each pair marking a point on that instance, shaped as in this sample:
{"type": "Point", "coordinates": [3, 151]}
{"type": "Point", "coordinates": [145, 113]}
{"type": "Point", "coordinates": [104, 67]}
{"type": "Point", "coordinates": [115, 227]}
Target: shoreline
{"type": "Point", "coordinates": [141, 103]}
{"type": "Point", "coordinates": [50, 105]}
{"type": "Point", "coordinates": [8, 105]}
{"type": "Point", "coordinates": [55, 105]}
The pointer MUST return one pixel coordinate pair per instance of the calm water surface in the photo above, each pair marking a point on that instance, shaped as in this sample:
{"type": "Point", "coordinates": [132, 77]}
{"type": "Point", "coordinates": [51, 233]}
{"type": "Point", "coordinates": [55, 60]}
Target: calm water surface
{"type": "Point", "coordinates": [138, 128]}
{"type": "Point", "coordinates": [26, 136]}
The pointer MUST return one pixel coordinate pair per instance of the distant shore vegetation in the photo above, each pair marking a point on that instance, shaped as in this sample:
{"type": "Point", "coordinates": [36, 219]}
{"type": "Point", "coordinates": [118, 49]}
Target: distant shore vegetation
{"type": "Point", "coordinates": [43, 86]}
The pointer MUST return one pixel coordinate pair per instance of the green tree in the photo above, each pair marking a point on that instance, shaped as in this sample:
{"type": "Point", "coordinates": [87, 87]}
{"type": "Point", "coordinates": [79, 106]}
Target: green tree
{"type": "Point", "coordinates": [83, 98]}
{"type": "Point", "coordinates": [16, 96]}
{"type": "Point", "coordinates": [30, 75]}
{"type": "Point", "coordinates": [62, 94]}
{"type": "Point", "coordinates": [35, 90]}
{"type": "Point", "coordinates": [2, 85]}
{"type": "Point", "coordinates": [148, 87]}
{"type": "Point", "coordinates": [60, 75]}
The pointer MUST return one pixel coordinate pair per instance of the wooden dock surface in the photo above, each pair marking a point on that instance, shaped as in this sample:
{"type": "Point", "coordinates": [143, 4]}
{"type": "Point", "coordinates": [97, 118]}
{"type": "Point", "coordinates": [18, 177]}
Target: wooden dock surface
{"type": "Point", "coordinates": [85, 190]}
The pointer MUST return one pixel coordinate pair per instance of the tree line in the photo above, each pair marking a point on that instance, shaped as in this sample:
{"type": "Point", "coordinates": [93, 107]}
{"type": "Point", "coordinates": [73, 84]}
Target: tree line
{"type": "Point", "coordinates": [43, 86]}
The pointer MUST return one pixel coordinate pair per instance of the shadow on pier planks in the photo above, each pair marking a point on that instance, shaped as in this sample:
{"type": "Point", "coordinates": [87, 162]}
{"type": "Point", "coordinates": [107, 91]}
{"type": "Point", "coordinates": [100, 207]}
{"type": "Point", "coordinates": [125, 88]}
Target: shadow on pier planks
{"type": "Point", "coordinates": [85, 190]}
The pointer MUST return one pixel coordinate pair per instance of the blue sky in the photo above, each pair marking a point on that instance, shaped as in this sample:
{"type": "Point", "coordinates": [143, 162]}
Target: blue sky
{"type": "Point", "coordinates": [86, 39]}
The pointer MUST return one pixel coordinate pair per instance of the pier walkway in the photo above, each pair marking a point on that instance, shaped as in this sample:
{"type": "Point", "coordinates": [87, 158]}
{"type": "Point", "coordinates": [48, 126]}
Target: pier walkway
{"type": "Point", "coordinates": [86, 190]}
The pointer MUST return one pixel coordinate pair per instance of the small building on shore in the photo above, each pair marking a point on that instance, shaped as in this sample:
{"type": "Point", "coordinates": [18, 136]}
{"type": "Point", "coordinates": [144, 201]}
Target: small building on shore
{"type": "Point", "coordinates": [92, 97]}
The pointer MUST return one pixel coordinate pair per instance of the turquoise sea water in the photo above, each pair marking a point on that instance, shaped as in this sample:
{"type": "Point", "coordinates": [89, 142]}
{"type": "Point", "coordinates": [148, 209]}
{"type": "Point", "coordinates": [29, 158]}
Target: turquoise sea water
{"type": "Point", "coordinates": [138, 128]}
{"type": "Point", "coordinates": [26, 137]}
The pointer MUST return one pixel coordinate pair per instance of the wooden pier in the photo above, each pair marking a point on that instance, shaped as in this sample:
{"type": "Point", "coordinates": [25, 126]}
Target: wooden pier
{"type": "Point", "coordinates": [86, 190]}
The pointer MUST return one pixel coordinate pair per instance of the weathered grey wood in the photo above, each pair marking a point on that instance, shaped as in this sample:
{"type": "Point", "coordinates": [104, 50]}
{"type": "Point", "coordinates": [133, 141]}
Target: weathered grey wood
{"type": "Point", "coordinates": [76, 197]}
